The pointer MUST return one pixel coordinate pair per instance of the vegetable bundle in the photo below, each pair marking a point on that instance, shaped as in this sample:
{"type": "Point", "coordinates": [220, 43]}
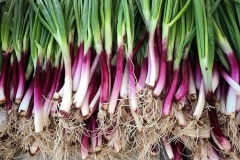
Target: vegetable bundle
{"type": "Point", "coordinates": [120, 79]}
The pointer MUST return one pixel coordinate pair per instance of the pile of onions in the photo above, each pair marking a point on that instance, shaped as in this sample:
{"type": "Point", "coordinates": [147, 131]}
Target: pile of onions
{"type": "Point", "coordinates": [120, 79]}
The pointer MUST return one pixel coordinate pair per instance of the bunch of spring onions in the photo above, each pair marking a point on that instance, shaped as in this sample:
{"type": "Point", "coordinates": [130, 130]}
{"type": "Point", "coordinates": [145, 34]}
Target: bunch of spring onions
{"type": "Point", "coordinates": [120, 79]}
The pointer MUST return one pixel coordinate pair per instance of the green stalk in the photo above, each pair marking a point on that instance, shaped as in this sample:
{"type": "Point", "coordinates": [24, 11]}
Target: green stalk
{"type": "Point", "coordinates": [49, 48]}
{"type": "Point", "coordinates": [18, 29]}
{"type": "Point", "coordinates": [86, 23]}
{"type": "Point", "coordinates": [230, 26]}
{"type": "Point", "coordinates": [96, 28]}
{"type": "Point", "coordinates": [35, 34]}
{"type": "Point", "coordinates": [68, 10]}
{"type": "Point", "coordinates": [144, 8]}
{"type": "Point", "coordinates": [78, 7]}
{"type": "Point", "coordinates": [182, 11]}
{"type": "Point", "coordinates": [190, 25]}
{"type": "Point", "coordinates": [171, 31]}
{"type": "Point", "coordinates": [222, 58]}
{"type": "Point", "coordinates": [120, 26]}
{"type": "Point", "coordinates": [167, 24]}
{"type": "Point", "coordinates": [6, 26]}
{"type": "Point", "coordinates": [179, 43]}
{"type": "Point", "coordinates": [107, 26]}
{"type": "Point", "coordinates": [129, 22]}
{"type": "Point", "coordinates": [171, 42]}
{"type": "Point", "coordinates": [237, 7]}
{"type": "Point", "coordinates": [26, 38]}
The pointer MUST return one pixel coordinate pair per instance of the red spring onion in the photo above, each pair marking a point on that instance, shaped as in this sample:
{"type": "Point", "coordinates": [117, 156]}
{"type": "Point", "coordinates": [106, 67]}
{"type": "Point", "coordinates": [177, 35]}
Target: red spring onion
{"type": "Point", "coordinates": [206, 49]}
{"type": "Point", "coordinates": [168, 100]}
{"type": "Point", "coordinates": [103, 55]}
{"type": "Point", "coordinates": [53, 20]}
{"type": "Point", "coordinates": [6, 48]}
{"type": "Point", "coordinates": [234, 70]}
{"type": "Point", "coordinates": [85, 73]}
{"type": "Point", "coordinates": [38, 110]}
{"type": "Point", "coordinates": [18, 35]}
{"type": "Point", "coordinates": [151, 20]}
{"type": "Point", "coordinates": [119, 63]}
